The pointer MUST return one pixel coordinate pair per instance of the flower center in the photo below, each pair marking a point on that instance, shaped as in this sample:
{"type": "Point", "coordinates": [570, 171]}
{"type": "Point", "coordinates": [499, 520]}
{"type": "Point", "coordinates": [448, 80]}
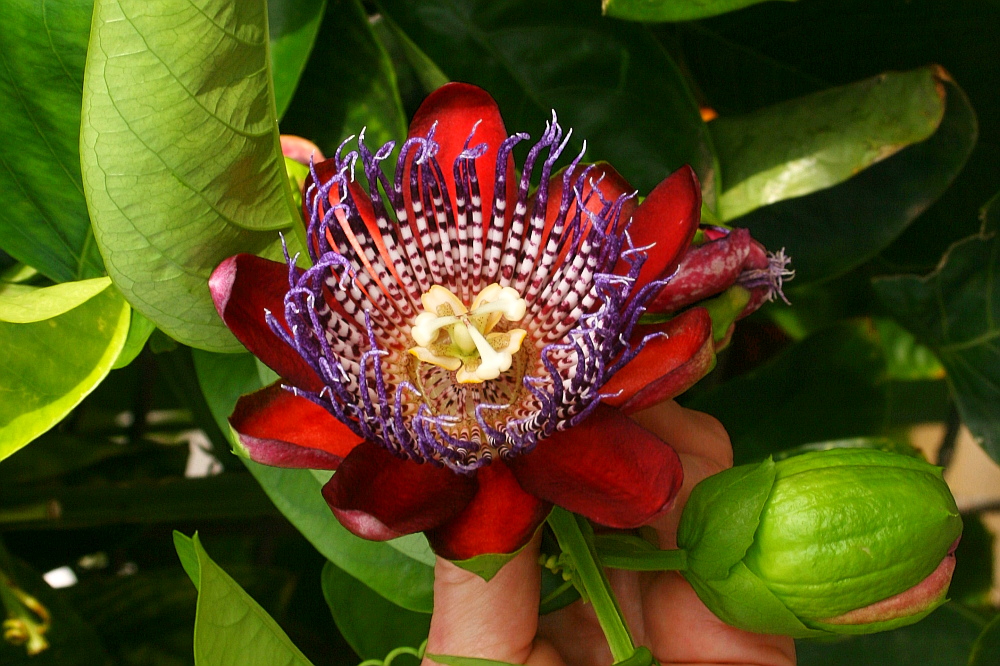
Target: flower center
{"type": "Point", "coordinates": [461, 339]}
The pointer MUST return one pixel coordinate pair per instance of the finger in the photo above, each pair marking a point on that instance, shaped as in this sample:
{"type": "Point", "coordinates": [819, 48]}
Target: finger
{"type": "Point", "coordinates": [683, 631]}
{"type": "Point", "coordinates": [701, 443]}
{"type": "Point", "coordinates": [491, 620]}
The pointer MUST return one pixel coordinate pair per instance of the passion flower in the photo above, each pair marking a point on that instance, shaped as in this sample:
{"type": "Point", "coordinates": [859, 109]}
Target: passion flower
{"type": "Point", "coordinates": [463, 349]}
{"type": "Point", "coordinates": [844, 541]}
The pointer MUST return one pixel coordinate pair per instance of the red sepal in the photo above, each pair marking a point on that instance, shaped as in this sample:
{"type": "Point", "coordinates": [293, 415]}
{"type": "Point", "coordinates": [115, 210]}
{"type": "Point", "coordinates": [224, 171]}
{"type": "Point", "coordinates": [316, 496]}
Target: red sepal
{"type": "Point", "coordinates": [501, 518]}
{"type": "Point", "coordinates": [667, 365]}
{"type": "Point", "coordinates": [607, 468]}
{"type": "Point", "coordinates": [280, 429]}
{"type": "Point", "coordinates": [242, 288]}
{"type": "Point", "coordinates": [667, 220]}
{"type": "Point", "coordinates": [378, 496]}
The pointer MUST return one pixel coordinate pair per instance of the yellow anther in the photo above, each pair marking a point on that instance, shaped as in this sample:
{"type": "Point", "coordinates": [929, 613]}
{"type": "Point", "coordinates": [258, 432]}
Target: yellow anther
{"type": "Point", "coordinates": [472, 349]}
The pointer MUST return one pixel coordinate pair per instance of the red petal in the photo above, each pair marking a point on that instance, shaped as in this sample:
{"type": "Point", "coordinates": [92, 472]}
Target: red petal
{"type": "Point", "coordinates": [379, 496]}
{"type": "Point", "coordinates": [501, 518]}
{"type": "Point", "coordinates": [242, 288]}
{"type": "Point", "coordinates": [299, 149]}
{"type": "Point", "coordinates": [667, 220]}
{"type": "Point", "coordinates": [706, 270]}
{"type": "Point", "coordinates": [666, 366]}
{"type": "Point", "coordinates": [608, 469]}
{"type": "Point", "coordinates": [457, 107]}
{"type": "Point", "coordinates": [283, 430]}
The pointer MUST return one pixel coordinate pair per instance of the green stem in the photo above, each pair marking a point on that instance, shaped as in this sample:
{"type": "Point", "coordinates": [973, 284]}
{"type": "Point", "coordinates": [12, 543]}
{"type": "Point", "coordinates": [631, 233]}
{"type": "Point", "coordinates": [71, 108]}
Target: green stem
{"type": "Point", "coordinates": [575, 537]}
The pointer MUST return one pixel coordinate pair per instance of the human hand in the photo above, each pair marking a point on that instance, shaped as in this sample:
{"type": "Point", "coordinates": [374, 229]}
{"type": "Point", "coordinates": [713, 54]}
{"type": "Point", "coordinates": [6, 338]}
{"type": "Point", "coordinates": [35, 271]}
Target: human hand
{"type": "Point", "coordinates": [499, 620]}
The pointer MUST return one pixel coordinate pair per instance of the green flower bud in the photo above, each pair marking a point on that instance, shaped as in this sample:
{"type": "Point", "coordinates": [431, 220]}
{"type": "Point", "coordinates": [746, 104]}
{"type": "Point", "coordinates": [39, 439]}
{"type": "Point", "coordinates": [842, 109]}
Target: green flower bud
{"type": "Point", "coordinates": [843, 541]}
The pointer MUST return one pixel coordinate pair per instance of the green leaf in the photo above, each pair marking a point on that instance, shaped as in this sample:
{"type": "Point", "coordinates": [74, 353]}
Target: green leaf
{"type": "Point", "coordinates": [829, 386]}
{"type": "Point", "coordinates": [986, 649]}
{"type": "Point", "coordinates": [180, 152]}
{"type": "Point", "coordinates": [372, 625]}
{"type": "Point", "coordinates": [610, 81]}
{"type": "Point", "coordinates": [657, 11]}
{"type": "Point", "coordinates": [488, 564]}
{"type": "Point", "coordinates": [942, 639]}
{"type": "Point", "coordinates": [402, 573]}
{"type": "Point", "coordinates": [810, 143]}
{"type": "Point", "coordinates": [953, 310]}
{"type": "Point", "coordinates": [43, 214]}
{"type": "Point", "coordinates": [47, 367]}
{"type": "Point", "coordinates": [139, 331]}
{"type": "Point", "coordinates": [292, 27]}
{"type": "Point", "coordinates": [25, 305]}
{"type": "Point", "coordinates": [831, 231]}
{"type": "Point", "coordinates": [230, 627]}
{"type": "Point", "coordinates": [351, 84]}
{"type": "Point", "coordinates": [721, 516]}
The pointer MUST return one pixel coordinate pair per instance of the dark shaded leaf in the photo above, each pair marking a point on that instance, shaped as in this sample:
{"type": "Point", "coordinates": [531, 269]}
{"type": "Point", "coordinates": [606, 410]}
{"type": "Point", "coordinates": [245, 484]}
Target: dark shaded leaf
{"type": "Point", "coordinates": [608, 80]}
{"type": "Point", "coordinates": [953, 310]}
{"type": "Point", "coordinates": [829, 386]}
{"type": "Point", "coordinates": [372, 625]}
{"type": "Point", "coordinates": [350, 84]}
{"type": "Point", "coordinates": [986, 649]}
{"type": "Point", "coordinates": [43, 214]}
{"type": "Point", "coordinates": [292, 26]}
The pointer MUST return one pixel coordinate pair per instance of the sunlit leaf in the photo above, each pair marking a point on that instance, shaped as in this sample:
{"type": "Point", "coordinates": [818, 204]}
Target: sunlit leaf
{"type": "Point", "coordinates": [814, 142]}
{"type": "Point", "coordinates": [610, 81]}
{"type": "Point", "coordinates": [47, 367]}
{"type": "Point", "coordinates": [402, 573]}
{"type": "Point", "coordinates": [21, 304]}
{"type": "Point", "coordinates": [954, 311]}
{"type": "Point", "coordinates": [43, 214]}
{"type": "Point", "coordinates": [831, 231]}
{"type": "Point", "coordinates": [231, 629]}
{"type": "Point", "coordinates": [671, 10]}
{"type": "Point", "coordinates": [180, 153]}
{"type": "Point", "coordinates": [372, 625]}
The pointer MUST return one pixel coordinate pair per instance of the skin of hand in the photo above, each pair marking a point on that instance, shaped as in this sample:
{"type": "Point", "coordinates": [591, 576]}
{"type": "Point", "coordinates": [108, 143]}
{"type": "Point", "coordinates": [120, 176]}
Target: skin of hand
{"type": "Point", "coordinates": [499, 620]}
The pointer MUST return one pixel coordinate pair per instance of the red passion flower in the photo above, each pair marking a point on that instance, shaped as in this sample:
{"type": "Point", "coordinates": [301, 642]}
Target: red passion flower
{"type": "Point", "coordinates": [464, 351]}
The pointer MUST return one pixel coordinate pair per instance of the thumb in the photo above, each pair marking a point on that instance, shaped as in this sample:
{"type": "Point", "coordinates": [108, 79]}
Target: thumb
{"type": "Point", "coordinates": [490, 620]}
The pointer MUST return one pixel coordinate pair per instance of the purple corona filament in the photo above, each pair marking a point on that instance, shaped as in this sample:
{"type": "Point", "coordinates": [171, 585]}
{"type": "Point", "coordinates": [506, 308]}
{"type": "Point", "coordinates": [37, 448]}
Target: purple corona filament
{"type": "Point", "coordinates": [350, 314]}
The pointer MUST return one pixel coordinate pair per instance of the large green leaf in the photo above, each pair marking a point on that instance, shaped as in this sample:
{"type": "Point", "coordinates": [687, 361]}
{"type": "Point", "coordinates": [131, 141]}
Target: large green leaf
{"type": "Point", "coordinates": [400, 570]}
{"type": "Point", "coordinates": [831, 231]}
{"type": "Point", "coordinates": [954, 311]}
{"type": "Point", "coordinates": [810, 143]}
{"type": "Point", "coordinates": [48, 366]}
{"type": "Point", "coordinates": [350, 84]}
{"type": "Point", "coordinates": [21, 304]}
{"type": "Point", "coordinates": [292, 27]}
{"type": "Point", "coordinates": [180, 152]}
{"type": "Point", "coordinates": [608, 80]}
{"type": "Point", "coordinates": [832, 385]}
{"type": "Point", "coordinates": [941, 639]}
{"type": "Point", "coordinates": [230, 628]}
{"type": "Point", "coordinates": [372, 625]}
{"type": "Point", "coordinates": [43, 214]}
{"type": "Point", "coordinates": [671, 10]}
